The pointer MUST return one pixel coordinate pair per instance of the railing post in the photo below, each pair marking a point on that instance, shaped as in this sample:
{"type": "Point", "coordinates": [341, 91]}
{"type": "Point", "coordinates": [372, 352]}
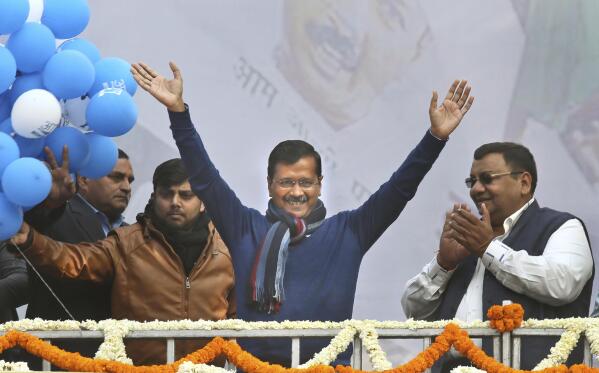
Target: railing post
{"type": "Point", "coordinates": [170, 350]}
{"type": "Point", "coordinates": [295, 352]}
{"type": "Point", "coordinates": [497, 348]}
{"type": "Point", "coordinates": [517, 344]}
{"type": "Point", "coordinates": [507, 349]}
{"type": "Point", "coordinates": [357, 356]}
{"type": "Point", "coordinates": [46, 366]}
{"type": "Point", "coordinates": [588, 358]}
{"type": "Point", "coordinates": [507, 345]}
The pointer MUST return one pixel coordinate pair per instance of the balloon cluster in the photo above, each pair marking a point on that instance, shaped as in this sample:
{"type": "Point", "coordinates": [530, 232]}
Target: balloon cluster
{"type": "Point", "coordinates": [55, 92]}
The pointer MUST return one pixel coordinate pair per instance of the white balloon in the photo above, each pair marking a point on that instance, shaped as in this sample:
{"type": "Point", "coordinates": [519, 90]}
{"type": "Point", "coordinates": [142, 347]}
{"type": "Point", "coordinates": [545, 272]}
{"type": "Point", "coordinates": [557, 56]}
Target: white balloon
{"type": "Point", "coordinates": [73, 112]}
{"type": "Point", "coordinates": [36, 9]}
{"type": "Point", "coordinates": [36, 113]}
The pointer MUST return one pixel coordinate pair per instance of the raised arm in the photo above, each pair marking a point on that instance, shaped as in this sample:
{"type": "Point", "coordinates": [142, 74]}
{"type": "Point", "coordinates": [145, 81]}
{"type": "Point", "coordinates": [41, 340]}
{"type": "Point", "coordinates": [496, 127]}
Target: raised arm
{"type": "Point", "coordinates": [230, 216]}
{"type": "Point", "coordinates": [382, 208]}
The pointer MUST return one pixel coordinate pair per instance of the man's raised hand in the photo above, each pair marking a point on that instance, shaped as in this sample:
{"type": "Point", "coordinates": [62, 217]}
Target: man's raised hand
{"type": "Point", "coordinates": [457, 102]}
{"type": "Point", "coordinates": [168, 92]}
{"type": "Point", "coordinates": [63, 186]}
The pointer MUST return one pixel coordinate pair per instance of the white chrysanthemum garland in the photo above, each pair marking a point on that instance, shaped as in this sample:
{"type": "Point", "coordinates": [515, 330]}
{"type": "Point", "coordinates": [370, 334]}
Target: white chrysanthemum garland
{"type": "Point", "coordinates": [463, 369]}
{"type": "Point", "coordinates": [370, 341]}
{"type": "Point", "coordinates": [189, 367]}
{"type": "Point", "coordinates": [593, 338]}
{"type": "Point", "coordinates": [113, 346]}
{"type": "Point", "coordinates": [337, 346]}
{"type": "Point", "coordinates": [6, 366]}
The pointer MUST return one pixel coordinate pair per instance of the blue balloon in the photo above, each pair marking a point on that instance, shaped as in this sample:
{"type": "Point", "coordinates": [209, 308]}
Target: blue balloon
{"type": "Point", "coordinates": [113, 72]}
{"type": "Point", "coordinates": [30, 147]}
{"type": "Point", "coordinates": [27, 147]}
{"type": "Point", "coordinates": [8, 69]}
{"type": "Point", "coordinates": [13, 13]}
{"type": "Point", "coordinates": [103, 155]}
{"type": "Point", "coordinates": [24, 83]}
{"type": "Point", "coordinates": [6, 127]}
{"type": "Point", "coordinates": [111, 112]}
{"type": "Point", "coordinates": [11, 218]}
{"type": "Point", "coordinates": [26, 181]}
{"type": "Point", "coordinates": [27, 208]}
{"type": "Point", "coordinates": [76, 142]}
{"type": "Point", "coordinates": [5, 106]}
{"type": "Point", "coordinates": [32, 45]}
{"type": "Point", "coordinates": [66, 18]}
{"type": "Point", "coordinates": [9, 151]}
{"type": "Point", "coordinates": [84, 46]}
{"type": "Point", "coordinates": [68, 74]}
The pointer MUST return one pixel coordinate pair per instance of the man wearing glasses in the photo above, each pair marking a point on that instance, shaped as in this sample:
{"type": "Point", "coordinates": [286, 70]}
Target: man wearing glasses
{"type": "Point", "coordinates": [298, 264]}
{"type": "Point", "coordinates": [517, 251]}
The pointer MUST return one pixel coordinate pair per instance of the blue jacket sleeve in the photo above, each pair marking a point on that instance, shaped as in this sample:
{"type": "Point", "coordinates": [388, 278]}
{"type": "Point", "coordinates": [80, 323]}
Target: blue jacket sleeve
{"type": "Point", "coordinates": [370, 220]}
{"type": "Point", "coordinates": [231, 218]}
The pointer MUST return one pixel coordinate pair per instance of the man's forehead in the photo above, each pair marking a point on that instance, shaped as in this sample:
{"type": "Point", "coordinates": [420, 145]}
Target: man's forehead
{"type": "Point", "coordinates": [123, 166]}
{"type": "Point", "coordinates": [184, 187]}
{"type": "Point", "coordinates": [305, 163]}
{"type": "Point", "coordinates": [490, 162]}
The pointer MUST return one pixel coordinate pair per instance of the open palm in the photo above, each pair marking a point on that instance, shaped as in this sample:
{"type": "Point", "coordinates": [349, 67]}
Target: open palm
{"type": "Point", "coordinates": [168, 92]}
{"type": "Point", "coordinates": [445, 118]}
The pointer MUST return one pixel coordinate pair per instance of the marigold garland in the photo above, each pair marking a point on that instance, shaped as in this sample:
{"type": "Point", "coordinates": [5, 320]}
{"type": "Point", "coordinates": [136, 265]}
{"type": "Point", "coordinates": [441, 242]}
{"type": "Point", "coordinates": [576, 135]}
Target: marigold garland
{"type": "Point", "coordinates": [505, 318]}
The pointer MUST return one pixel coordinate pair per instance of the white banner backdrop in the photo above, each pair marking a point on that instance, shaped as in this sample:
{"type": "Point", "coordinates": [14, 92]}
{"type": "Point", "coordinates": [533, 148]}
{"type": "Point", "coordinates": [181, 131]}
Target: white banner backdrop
{"type": "Point", "coordinates": [354, 78]}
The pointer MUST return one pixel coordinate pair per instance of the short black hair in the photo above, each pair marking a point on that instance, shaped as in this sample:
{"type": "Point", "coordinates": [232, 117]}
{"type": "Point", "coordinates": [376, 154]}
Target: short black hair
{"type": "Point", "coordinates": [122, 154]}
{"type": "Point", "coordinates": [517, 156]}
{"type": "Point", "coordinates": [290, 151]}
{"type": "Point", "coordinates": [169, 173]}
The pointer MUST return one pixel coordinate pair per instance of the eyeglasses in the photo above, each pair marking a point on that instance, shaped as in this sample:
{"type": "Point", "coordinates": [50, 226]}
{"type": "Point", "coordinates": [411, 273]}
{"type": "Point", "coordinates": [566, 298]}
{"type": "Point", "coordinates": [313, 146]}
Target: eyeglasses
{"type": "Point", "coordinates": [290, 183]}
{"type": "Point", "coordinates": [486, 178]}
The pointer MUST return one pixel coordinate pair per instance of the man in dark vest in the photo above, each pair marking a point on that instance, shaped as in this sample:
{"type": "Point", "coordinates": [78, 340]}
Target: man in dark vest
{"type": "Point", "coordinates": [75, 214]}
{"type": "Point", "coordinates": [518, 251]}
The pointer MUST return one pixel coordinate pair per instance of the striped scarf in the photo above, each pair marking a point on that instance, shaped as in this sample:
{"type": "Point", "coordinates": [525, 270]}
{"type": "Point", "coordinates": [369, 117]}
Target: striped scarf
{"type": "Point", "coordinates": [268, 271]}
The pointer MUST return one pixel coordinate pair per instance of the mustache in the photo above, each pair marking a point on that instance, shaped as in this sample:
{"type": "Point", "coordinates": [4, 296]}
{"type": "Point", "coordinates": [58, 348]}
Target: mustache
{"type": "Point", "coordinates": [292, 199]}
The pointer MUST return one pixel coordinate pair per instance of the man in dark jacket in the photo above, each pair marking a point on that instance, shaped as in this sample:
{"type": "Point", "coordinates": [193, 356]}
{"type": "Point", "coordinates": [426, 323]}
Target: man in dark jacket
{"type": "Point", "coordinates": [13, 289]}
{"type": "Point", "coordinates": [518, 251]}
{"type": "Point", "coordinates": [87, 216]}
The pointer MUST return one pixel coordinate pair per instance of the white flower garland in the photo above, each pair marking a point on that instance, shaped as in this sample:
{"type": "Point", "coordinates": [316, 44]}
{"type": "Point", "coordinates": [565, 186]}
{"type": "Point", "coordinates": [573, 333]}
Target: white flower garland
{"type": "Point", "coordinates": [370, 341]}
{"type": "Point", "coordinates": [113, 347]}
{"type": "Point", "coordinates": [6, 366]}
{"type": "Point", "coordinates": [562, 349]}
{"type": "Point", "coordinates": [592, 335]}
{"type": "Point", "coordinates": [337, 346]}
{"type": "Point", "coordinates": [463, 369]}
{"type": "Point", "coordinates": [189, 367]}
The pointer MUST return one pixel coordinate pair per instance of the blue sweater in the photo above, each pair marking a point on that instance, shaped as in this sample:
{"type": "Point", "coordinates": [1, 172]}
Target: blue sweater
{"type": "Point", "coordinates": [321, 270]}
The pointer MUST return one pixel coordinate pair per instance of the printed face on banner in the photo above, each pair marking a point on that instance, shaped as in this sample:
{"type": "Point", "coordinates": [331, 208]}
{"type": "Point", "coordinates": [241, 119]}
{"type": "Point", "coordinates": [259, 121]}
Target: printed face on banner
{"type": "Point", "coordinates": [340, 55]}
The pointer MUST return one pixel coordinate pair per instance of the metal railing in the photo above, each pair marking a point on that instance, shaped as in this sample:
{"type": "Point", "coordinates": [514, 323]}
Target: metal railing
{"type": "Point", "coordinates": [427, 335]}
{"type": "Point", "coordinates": [506, 346]}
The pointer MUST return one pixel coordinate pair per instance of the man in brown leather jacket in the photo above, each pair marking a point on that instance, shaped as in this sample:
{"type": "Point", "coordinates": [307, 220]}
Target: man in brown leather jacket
{"type": "Point", "coordinates": [170, 265]}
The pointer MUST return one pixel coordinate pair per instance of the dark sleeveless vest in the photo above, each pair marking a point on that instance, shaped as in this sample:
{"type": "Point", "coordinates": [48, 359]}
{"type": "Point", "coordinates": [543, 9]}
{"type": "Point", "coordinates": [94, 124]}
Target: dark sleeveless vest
{"type": "Point", "coordinates": [531, 233]}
